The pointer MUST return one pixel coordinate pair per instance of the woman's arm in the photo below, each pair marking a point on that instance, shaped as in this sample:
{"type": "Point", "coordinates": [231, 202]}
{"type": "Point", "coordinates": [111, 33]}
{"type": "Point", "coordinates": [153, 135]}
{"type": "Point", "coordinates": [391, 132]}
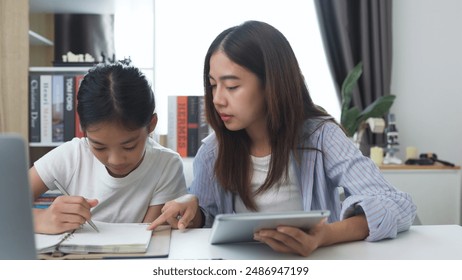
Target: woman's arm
{"type": "Point", "coordinates": [387, 209]}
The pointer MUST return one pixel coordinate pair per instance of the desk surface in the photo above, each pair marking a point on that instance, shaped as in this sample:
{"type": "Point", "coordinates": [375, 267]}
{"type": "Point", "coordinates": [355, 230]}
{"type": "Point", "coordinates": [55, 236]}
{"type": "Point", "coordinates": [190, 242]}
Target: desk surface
{"type": "Point", "coordinates": [420, 242]}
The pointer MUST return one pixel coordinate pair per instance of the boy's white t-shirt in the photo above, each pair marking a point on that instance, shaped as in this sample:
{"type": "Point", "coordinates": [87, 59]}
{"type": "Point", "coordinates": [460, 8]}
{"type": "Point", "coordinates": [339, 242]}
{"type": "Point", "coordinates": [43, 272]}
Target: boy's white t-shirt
{"type": "Point", "coordinates": [158, 179]}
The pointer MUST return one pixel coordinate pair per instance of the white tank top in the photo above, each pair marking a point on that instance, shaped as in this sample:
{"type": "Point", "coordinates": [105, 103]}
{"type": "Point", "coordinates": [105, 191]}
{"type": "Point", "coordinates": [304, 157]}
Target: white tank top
{"type": "Point", "coordinates": [286, 197]}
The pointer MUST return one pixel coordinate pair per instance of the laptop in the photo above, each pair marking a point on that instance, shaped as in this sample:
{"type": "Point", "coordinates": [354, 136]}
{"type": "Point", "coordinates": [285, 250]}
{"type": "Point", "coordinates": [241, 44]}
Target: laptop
{"type": "Point", "coordinates": [17, 239]}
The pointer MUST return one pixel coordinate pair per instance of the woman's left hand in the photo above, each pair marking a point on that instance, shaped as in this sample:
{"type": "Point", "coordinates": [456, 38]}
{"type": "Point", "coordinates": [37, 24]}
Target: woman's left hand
{"type": "Point", "coordinates": [286, 239]}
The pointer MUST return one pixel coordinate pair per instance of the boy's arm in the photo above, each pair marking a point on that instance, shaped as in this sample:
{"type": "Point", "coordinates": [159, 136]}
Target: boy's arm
{"type": "Point", "coordinates": [38, 187]}
{"type": "Point", "coordinates": [152, 213]}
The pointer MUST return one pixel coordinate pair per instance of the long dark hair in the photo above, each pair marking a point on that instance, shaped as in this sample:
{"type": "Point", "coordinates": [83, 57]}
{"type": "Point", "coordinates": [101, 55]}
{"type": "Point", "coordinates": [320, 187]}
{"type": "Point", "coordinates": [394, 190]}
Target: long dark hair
{"type": "Point", "coordinates": [263, 50]}
{"type": "Point", "coordinates": [116, 93]}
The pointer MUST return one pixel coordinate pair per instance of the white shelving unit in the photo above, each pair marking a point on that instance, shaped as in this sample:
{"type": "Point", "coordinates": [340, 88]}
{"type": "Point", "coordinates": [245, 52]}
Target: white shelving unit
{"type": "Point", "coordinates": [59, 69]}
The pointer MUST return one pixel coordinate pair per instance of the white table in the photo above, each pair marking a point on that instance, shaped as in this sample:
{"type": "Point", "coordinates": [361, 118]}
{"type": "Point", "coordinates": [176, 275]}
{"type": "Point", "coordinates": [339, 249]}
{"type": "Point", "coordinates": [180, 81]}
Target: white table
{"type": "Point", "coordinates": [431, 242]}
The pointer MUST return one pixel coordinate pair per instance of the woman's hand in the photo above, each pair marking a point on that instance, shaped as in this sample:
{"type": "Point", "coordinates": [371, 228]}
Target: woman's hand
{"type": "Point", "coordinates": [286, 239]}
{"type": "Point", "coordinates": [293, 240]}
{"type": "Point", "coordinates": [180, 213]}
{"type": "Point", "coordinates": [64, 214]}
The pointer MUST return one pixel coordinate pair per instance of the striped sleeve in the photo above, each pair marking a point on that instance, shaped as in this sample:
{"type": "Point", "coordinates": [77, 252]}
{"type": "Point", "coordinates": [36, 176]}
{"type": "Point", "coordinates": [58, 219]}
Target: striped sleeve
{"type": "Point", "coordinates": [388, 210]}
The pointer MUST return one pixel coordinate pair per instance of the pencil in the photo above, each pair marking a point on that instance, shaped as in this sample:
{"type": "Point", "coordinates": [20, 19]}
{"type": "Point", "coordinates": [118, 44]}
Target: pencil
{"type": "Point", "coordinates": [64, 191]}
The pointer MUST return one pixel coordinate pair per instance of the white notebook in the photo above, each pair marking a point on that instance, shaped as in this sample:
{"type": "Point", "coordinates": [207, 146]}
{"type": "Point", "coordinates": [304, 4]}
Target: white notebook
{"type": "Point", "coordinates": [111, 238]}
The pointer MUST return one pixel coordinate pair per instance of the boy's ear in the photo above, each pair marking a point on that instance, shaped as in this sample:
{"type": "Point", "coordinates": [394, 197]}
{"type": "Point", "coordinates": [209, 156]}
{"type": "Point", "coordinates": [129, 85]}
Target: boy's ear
{"type": "Point", "coordinates": [153, 123]}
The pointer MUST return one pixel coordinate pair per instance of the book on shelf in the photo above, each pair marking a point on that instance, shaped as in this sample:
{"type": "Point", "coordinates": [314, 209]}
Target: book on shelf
{"type": "Point", "coordinates": [204, 128]}
{"type": "Point", "coordinates": [46, 199]}
{"type": "Point", "coordinates": [78, 130]}
{"type": "Point", "coordinates": [57, 112]}
{"type": "Point", "coordinates": [187, 124]}
{"type": "Point", "coordinates": [46, 108]}
{"type": "Point", "coordinates": [182, 126]}
{"type": "Point", "coordinates": [171, 126]}
{"type": "Point", "coordinates": [69, 107]}
{"type": "Point", "coordinates": [193, 125]}
{"type": "Point", "coordinates": [111, 238]}
{"type": "Point", "coordinates": [34, 108]}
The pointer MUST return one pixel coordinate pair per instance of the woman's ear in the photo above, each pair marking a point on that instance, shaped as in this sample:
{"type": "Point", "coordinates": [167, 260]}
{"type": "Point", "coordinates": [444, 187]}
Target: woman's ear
{"type": "Point", "coordinates": [153, 123]}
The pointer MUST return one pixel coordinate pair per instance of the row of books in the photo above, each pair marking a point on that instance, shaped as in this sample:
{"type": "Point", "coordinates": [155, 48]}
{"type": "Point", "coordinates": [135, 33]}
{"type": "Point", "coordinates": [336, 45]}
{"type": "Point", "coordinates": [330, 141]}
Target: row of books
{"type": "Point", "coordinates": [46, 199]}
{"type": "Point", "coordinates": [187, 124]}
{"type": "Point", "coordinates": [52, 107]}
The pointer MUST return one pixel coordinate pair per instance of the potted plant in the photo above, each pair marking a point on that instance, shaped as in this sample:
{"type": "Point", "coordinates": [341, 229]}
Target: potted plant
{"type": "Point", "coordinates": [352, 119]}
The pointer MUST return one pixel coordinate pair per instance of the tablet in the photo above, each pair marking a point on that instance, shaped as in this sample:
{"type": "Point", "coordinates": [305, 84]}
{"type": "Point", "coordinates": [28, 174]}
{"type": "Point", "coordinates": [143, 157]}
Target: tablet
{"type": "Point", "coordinates": [232, 228]}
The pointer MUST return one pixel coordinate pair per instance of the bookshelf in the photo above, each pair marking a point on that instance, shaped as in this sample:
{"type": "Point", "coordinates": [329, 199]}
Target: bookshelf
{"type": "Point", "coordinates": [27, 35]}
{"type": "Point", "coordinates": [41, 49]}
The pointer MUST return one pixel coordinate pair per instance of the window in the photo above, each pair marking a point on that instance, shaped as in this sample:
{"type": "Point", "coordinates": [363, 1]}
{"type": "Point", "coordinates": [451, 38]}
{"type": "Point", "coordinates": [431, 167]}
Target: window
{"type": "Point", "coordinates": [134, 34]}
{"type": "Point", "coordinates": [184, 29]}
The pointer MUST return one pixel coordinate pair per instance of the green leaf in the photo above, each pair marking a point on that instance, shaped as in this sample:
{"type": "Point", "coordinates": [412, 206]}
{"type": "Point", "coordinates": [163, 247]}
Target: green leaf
{"type": "Point", "coordinates": [351, 122]}
{"type": "Point", "coordinates": [378, 108]}
{"type": "Point", "coordinates": [348, 85]}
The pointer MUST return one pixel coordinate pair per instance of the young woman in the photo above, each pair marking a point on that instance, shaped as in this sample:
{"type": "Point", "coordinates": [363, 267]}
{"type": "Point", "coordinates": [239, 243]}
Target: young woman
{"type": "Point", "coordinates": [274, 150]}
{"type": "Point", "coordinates": [117, 171]}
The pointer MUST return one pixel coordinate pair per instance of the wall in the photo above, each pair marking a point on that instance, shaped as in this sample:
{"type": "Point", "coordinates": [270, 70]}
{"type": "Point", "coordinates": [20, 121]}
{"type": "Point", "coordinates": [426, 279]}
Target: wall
{"type": "Point", "coordinates": [14, 54]}
{"type": "Point", "coordinates": [427, 74]}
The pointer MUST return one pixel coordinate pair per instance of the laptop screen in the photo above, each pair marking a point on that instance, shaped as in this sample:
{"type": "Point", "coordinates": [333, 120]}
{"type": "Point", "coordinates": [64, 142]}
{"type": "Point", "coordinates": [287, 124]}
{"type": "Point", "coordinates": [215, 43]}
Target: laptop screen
{"type": "Point", "coordinates": [16, 229]}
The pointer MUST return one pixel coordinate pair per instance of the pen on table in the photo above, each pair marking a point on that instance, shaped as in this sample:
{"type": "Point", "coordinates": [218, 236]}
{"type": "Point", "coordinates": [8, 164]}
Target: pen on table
{"type": "Point", "coordinates": [63, 191]}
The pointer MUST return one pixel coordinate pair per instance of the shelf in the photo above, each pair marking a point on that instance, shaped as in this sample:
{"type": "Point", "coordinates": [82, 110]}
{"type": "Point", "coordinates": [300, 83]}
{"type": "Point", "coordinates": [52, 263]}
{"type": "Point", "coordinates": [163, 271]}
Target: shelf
{"type": "Point", "coordinates": [59, 69]}
{"type": "Point", "coordinates": [54, 144]}
{"type": "Point", "coordinates": [89, 6]}
{"type": "Point", "coordinates": [418, 167]}
{"type": "Point", "coordinates": [38, 40]}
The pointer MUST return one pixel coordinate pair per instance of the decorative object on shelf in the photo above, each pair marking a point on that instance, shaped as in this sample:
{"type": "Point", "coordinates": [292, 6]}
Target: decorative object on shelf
{"type": "Point", "coordinates": [126, 61]}
{"type": "Point", "coordinates": [434, 158]}
{"type": "Point", "coordinates": [411, 153]}
{"type": "Point", "coordinates": [376, 125]}
{"type": "Point", "coordinates": [352, 119]}
{"type": "Point", "coordinates": [392, 142]}
{"type": "Point", "coordinates": [71, 57]}
{"type": "Point", "coordinates": [86, 35]}
{"type": "Point", "coordinates": [377, 155]}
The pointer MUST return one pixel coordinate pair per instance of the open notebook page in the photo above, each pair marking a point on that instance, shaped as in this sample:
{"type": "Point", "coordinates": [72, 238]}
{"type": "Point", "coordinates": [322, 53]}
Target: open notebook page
{"type": "Point", "coordinates": [113, 237]}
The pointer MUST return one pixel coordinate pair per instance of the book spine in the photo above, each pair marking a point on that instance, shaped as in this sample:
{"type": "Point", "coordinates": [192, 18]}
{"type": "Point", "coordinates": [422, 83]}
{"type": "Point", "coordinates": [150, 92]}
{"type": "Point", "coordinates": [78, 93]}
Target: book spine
{"type": "Point", "coordinates": [182, 125]}
{"type": "Point", "coordinates": [193, 125]}
{"type": "Point", "coordinates": [45, 108]}
{"type": "Point", "coordinates": [69, 108]}
{"type": "Point", "coordinates": [34, 108]}
{"type": "Point", "coordinates": [204, 128]}
{"type": "Point", "coordinates": [57, 108]}
{"type": "Point", "coordinates": [172, 113]}
{"type": "Point", "coordinates": [78, 130]}
{"type": "Point", "coordinates": [45, 200]}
